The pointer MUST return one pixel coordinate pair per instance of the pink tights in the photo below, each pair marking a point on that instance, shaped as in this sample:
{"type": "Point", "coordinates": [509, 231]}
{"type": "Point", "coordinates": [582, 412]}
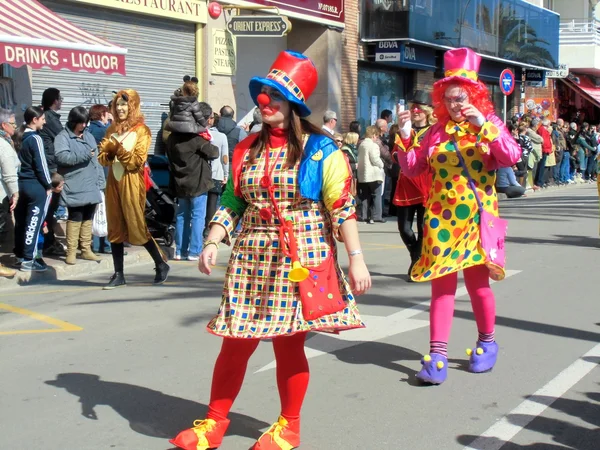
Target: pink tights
{"type": "Point", "coordinates": [443, 292]}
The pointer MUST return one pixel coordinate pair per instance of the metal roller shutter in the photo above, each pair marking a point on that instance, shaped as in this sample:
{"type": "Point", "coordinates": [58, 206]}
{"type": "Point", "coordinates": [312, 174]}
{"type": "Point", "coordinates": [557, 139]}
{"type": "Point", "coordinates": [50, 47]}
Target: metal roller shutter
{"type": "Point", "coordinates": [160, 53]}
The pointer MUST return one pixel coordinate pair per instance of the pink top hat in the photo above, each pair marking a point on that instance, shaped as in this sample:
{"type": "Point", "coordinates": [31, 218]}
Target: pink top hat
{"type": "Point", "coordinates": [462, 65]}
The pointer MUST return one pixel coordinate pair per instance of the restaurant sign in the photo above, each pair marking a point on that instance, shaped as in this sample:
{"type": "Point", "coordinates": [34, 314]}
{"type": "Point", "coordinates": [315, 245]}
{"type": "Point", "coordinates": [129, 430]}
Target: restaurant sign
{"type": "Point", "coordinates": [326, 12]}
{"type": "Point", "coordinates": [188, 10]}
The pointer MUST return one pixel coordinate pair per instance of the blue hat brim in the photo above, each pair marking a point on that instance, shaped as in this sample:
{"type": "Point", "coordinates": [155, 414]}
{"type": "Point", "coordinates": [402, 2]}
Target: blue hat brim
{"type": "Point", "coordinates": [257, 83]}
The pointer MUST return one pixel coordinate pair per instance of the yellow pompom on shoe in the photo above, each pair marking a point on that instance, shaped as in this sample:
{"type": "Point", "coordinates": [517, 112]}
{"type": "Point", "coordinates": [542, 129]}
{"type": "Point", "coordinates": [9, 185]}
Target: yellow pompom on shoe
{"type": "Point", "coordinates": [434, 370]}
{"type": "Point", "coordinates": [483, 357]}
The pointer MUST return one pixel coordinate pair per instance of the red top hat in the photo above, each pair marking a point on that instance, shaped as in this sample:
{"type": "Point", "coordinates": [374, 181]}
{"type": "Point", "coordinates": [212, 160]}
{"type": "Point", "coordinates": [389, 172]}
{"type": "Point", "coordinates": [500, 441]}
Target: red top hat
{"type": "Point", "coordinates": [292, 74]}
{"type": "Point", "coordinates": [461, 64]}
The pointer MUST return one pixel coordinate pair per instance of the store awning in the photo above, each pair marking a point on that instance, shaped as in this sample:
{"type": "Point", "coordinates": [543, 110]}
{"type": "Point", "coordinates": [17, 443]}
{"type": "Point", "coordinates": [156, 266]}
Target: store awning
{"type": "Point", "coordinates": [32, 35]}
{"type": "Point", "coordinates": [586, 87]}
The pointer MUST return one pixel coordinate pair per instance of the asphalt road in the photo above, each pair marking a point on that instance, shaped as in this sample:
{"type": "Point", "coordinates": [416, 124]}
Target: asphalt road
{"type": "Point", "coordinates": [86, 369]}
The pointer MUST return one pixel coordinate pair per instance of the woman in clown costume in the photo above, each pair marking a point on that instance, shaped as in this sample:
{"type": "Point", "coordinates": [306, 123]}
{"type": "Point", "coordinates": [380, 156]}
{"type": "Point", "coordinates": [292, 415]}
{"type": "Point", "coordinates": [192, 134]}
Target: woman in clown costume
{"type": "Point", "coordinates": [411, 193]}
{"type": "Point", "coordinates": [288, 171]}
{"type": "Point", "coordinates": [451, 242]}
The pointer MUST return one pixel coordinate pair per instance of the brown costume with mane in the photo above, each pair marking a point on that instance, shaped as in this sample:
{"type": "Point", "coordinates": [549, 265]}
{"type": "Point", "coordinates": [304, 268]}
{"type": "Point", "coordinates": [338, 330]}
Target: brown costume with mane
{"type": "Point", "coordinates": [125, 150]}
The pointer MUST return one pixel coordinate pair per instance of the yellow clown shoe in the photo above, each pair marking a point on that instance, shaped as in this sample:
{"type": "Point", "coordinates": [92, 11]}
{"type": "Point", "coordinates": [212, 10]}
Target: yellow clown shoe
{"type": "Point", "coordinates": [205, 435]}
{"type": "Point", "coordinates": [282, 435]}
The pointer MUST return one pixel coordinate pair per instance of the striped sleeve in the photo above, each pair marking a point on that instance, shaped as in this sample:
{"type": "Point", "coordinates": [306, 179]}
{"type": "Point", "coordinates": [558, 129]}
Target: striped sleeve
{"type": "Point", "coordinates": [40, 164]}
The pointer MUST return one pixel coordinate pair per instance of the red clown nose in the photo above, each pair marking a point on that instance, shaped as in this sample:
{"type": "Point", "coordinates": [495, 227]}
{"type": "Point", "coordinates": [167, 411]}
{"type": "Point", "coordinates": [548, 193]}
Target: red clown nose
{"type": "Point", "coordinates": [263, 99]}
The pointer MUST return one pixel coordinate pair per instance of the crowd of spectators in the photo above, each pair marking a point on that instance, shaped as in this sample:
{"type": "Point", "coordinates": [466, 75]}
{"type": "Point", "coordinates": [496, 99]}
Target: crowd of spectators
{"type": "Point", "coordinates": [554, 154]}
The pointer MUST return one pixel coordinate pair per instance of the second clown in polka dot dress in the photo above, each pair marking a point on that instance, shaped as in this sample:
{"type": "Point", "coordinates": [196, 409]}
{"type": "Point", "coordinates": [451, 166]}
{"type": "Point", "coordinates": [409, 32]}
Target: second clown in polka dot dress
{"type": "Point", "coordinates": [451, 228]}
{"type": "Point", "coordinates": [467, 128]}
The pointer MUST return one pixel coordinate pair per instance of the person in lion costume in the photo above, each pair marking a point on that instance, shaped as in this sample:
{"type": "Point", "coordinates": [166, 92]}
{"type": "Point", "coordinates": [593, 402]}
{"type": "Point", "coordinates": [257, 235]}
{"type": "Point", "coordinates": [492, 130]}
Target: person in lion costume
{"type": "Point", "coordinates": [124, 151]}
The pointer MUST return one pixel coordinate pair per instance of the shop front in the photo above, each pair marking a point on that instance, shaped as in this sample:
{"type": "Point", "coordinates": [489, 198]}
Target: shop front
{"type": "Point", "coordinates": [162, 46]}
{"type": "Point", "coordinates": [315, 31]}
{"type": "Point", "coordinates": [397, 68]}
{"type": "Point", "coordinates": [32, 37]}
{"type": "Point", "coordinates": [390, 77]}
{"type": "Point", "coordinates": [578, 98]}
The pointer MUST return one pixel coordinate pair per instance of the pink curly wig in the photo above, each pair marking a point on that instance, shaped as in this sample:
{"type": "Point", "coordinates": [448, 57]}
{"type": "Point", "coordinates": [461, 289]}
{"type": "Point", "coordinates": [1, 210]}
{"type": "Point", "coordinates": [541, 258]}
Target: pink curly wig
{"type": "Point", "coordinates": [479, 97]}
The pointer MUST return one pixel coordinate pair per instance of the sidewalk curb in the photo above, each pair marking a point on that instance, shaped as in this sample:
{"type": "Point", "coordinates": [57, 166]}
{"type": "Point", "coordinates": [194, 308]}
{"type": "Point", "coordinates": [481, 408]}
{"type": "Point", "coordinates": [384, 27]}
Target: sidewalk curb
{"type": "Point", "coordinates": [58, 270]}
{"type": "Point", "coordinates": [530, 190]}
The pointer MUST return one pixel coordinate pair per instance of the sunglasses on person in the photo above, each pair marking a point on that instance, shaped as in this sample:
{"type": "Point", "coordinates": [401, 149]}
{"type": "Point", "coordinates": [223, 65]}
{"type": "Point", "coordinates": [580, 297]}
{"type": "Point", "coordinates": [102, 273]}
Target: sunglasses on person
{"type": "Point", "coordinates": [415, 109]}
{"type": "Point", "coordinates": [339, 141]}
{"type": "Point", "coordinates": [458, 100]}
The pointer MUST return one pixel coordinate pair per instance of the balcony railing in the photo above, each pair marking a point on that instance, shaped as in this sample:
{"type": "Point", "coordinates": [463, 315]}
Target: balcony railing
{"type": "Point", "coordinates": [579, 32]}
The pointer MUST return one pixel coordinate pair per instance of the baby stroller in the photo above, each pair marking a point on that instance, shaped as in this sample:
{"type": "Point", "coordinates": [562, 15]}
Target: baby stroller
{"type": "Point", "coordinates": [160, 213]}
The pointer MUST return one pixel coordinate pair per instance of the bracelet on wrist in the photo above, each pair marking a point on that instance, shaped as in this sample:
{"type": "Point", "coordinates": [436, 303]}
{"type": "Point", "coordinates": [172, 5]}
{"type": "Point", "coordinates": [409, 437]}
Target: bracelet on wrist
{"type": "Point", "coordinates": [211, 242]}
{"type": "Point", "coordinates": [355, 252]}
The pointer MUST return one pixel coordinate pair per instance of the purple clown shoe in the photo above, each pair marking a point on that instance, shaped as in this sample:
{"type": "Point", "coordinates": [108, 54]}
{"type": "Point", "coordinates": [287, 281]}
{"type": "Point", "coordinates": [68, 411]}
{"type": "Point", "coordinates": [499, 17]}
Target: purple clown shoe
{"type": "Point", "coordinates": [435, 369]}
{"type": "Point", "coordinates": [482, 357]}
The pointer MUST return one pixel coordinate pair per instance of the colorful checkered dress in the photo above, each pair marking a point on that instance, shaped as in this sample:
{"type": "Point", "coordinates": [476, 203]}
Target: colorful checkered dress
{"type": "Point", "coordinates": [258, 299]}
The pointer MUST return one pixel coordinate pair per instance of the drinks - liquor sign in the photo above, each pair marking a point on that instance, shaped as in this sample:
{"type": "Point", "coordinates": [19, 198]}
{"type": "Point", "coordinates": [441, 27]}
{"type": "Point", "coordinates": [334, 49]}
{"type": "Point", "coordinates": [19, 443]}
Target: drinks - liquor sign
{"type": "Point", "coordinates": [259, 26]}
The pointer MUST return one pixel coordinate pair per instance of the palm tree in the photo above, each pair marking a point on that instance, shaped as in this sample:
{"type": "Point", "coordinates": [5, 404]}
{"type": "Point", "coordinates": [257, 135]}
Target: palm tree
{"type": "Point", "coordinates": [518, 41]}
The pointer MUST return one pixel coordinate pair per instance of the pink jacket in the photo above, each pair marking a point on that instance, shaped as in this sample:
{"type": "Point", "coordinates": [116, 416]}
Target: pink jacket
{"type": "Point", "coordinates": [504, 151]}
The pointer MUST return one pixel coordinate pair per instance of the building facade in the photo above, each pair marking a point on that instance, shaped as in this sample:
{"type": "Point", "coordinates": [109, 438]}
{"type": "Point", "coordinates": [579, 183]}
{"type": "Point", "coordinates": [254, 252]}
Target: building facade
{"type": "Point", "coordinates": [402, 43]}
{"type": "Point", "coordinates": [163, 42]}
{"type": "Point", "coordinates": [577, 94]}
{"type": "Point", "coordinates": [166, 40]}
{"type": "Point", "coordinates": [316, 31]}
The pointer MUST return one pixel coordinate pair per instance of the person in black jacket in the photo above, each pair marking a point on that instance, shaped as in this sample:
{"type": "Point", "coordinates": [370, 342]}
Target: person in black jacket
{"type": "Point", "coordinates": [35, 189]}
{"type": "Point", "coordinates": [51, 103]}
{"type": "Point", "coordinates": [185, 112]}
{"type": "Point", "coordinates": [189, 152]}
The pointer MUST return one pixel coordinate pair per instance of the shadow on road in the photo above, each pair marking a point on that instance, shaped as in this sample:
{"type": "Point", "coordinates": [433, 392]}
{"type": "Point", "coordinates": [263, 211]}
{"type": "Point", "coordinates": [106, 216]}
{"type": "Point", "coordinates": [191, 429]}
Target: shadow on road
{"type": "Point", "coordinates": [568, 435]}
{"type": "Point", "coordinates": [383, 355]}
{"type": "Point", "coordinates": [148, 412]}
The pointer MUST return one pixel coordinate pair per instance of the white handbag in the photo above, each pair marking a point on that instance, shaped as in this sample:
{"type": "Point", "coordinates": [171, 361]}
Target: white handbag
{"type": "Point", "coordinates": [100, 224]}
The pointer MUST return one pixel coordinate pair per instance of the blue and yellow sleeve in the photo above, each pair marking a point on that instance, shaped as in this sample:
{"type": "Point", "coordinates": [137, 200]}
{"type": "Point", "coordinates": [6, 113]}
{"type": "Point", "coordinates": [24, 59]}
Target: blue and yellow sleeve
{"type": "Point", "coordinates": [337, 179]}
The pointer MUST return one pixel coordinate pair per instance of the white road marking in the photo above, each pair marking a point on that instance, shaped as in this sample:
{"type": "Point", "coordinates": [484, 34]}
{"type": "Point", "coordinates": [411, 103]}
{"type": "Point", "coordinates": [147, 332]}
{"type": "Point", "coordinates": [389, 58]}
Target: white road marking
{"type": "Point", "coordinates": [378, 328]}
{"type": "Point", "coordinates": [503, 431]}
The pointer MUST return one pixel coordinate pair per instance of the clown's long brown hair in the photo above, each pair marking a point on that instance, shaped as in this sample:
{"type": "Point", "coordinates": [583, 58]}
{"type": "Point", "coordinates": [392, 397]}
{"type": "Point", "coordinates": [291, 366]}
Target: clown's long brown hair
{"type": "Point", "coordinates": [134, 116]}
{"type": "Point", "coordinates": [298, 127]}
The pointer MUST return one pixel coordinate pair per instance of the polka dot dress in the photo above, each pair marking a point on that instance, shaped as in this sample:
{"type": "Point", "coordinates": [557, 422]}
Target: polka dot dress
{"type": "Point", "coordinates": [451, 230]}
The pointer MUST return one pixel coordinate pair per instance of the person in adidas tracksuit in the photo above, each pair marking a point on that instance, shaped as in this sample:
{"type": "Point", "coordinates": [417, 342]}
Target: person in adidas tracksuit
{"type": "Point", "coordinates": [35, 189]}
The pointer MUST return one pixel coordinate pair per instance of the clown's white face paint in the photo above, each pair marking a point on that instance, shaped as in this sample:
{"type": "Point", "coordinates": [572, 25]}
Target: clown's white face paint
{"type": "Point", "coordinates": [276, 113]}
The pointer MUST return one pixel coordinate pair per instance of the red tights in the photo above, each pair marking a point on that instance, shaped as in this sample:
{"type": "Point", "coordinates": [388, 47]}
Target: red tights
{"type": "Point", "coordinates": [230, 369]}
